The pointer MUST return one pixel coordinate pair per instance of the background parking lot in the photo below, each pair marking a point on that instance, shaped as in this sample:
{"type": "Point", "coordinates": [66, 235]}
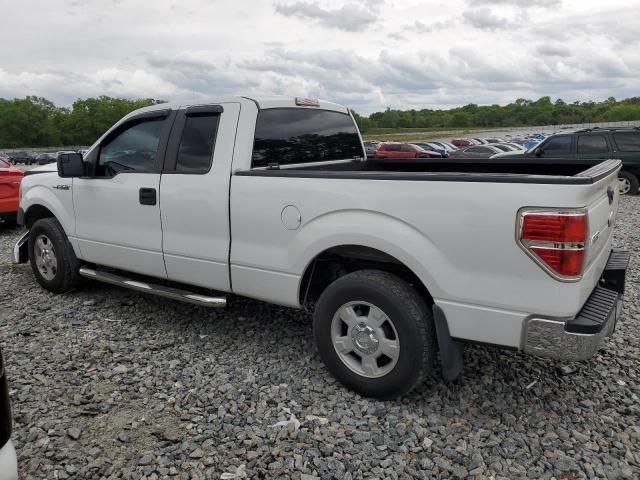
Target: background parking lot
{"type": "Point", "coordinates": [108, 383]}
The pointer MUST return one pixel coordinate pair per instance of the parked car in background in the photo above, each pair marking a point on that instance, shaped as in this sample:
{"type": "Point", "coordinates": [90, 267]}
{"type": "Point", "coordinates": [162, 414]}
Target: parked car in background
{"type": "Point", "coordinates": [596, 145]}
{"type": "Point", "coordinates": [403, 150]}
{"type": "Point", "coordinates": [477, 151]}
{"type": "Point", "coordinates": [461, 142]}
{"type": "Point", "coordinates": [448, 147]}
{"type": "Point", "coordinates": [45, 158]}
{"type": "Point", "coordinates": [22, 157]}
{"type": "Point", "coordinates": [432, 147]}
{"type": "Point", "coordinates": [505, 147]}
{"type": "Point", "coordinates": [62, 152]}
{"type": "Point", "coordinates": [8, 461]}
{"type": "Point", "coordinates": [480, 141]}
{"type": "Point", "coordinates": [495, 140]}
{"type": "Point", "coordinates": [516, 146]}
{"type": "Point", "coordinates": [531, 143]}
{"type": "Point", "coordinates": [10, 178]}
{"type": "Point", "coordinates": [370, 147]}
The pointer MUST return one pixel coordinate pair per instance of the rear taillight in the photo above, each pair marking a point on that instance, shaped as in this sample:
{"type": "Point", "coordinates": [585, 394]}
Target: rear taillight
{"type": "Point", "coordinates": [556, 240]}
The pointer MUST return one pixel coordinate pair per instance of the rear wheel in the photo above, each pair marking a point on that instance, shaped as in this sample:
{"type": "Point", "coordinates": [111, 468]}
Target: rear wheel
{"type": "Point", "coordinates": [375, 333]}
{"type": "Point", "coordinates": [628, 183]}
{"type": "Point", "coordinates": [52, 258]}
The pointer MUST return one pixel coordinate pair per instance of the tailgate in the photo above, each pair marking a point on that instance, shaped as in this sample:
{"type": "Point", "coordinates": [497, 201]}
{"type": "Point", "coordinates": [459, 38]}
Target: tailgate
{"type": "Point", "coordinates": [602, 208]}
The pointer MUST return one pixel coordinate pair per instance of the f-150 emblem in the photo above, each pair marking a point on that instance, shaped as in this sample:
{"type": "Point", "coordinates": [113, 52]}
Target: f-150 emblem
{"type": "Point", "coordinates": [61, 187]}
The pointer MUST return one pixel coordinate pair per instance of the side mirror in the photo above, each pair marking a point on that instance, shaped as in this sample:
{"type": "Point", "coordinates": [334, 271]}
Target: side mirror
{"type": "Point", "coordinates": [538, 152]}
{"type": "Point", "coordinates": [70, 165]}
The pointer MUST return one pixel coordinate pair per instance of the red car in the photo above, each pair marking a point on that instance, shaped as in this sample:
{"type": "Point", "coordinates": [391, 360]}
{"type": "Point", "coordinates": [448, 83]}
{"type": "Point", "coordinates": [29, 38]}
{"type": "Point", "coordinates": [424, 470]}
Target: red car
{"type": "Point", "coordinates": [403, 150]}
{"type": "Point", "coordinates": [10, 178]}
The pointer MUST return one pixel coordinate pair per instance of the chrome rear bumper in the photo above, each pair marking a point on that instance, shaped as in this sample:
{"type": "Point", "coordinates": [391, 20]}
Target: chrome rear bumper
{"type": "Point", "coordinates": [581, 337]}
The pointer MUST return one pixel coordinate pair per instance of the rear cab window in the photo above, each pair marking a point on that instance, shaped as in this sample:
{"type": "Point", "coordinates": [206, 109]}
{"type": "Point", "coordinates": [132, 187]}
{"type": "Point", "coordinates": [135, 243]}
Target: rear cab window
{"type": "Point", "coordinates": [290, 136]}
{"type": "Point", "coordinates": [195, 153]}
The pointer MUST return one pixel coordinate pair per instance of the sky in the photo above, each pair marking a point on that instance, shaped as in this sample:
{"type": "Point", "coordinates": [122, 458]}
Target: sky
{"type": "Point", "coordinates": [368, 55]}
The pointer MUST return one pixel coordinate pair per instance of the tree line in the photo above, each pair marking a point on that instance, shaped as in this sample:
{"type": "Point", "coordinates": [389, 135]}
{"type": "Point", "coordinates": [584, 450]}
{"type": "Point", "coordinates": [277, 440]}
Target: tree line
{"type": "Point", "coordinates": [522, 112]}
{"type": "Point", "coordinates": [38, 122]}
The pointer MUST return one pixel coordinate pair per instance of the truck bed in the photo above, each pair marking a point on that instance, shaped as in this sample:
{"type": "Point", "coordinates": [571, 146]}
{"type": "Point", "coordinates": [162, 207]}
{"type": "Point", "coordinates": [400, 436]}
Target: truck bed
{"type": "Point", "coordinates": [542, 171]}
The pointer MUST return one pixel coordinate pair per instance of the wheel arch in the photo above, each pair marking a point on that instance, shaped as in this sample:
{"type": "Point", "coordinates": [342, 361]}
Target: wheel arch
{"type": "Point", "coordinates": [40, 202]}
{"type": "Point", "coordinates": [339, 260]}
{"type": "Point", "coordinates": [36, 212]}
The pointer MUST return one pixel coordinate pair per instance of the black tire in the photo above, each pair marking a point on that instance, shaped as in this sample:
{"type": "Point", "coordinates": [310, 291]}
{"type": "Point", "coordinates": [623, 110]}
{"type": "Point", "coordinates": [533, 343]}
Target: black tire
{"type": "Point", "coordinates": [411, 318]}
{"type": "Point", "coordinates": [65, 276]}
{"type": "Point", "coordinates": [633, 182]}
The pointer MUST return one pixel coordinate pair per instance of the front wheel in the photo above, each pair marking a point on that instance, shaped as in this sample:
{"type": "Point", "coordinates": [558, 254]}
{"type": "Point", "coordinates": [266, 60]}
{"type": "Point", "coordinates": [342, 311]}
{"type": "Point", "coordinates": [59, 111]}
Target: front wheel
{"type": "Point", "coordinates": [52, 258]}
{"type": "Point", "coordinates": [628, 183]}
{"type": "Point", "coordinates": [375, 333]}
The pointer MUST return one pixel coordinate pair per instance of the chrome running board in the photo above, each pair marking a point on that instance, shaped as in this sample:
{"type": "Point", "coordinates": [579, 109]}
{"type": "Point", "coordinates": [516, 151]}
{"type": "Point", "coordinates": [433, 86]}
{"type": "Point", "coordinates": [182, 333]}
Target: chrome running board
{"type": "Point", "coordinates": [160, 290]}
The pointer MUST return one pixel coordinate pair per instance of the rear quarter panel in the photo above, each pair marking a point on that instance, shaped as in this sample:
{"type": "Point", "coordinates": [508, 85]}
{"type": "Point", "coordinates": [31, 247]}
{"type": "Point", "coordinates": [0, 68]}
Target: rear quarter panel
{"type": "Point", "coordinates": [459, 238]}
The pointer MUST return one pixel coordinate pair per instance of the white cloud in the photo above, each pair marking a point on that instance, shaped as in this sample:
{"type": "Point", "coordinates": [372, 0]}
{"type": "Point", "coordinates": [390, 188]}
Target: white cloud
{"type": "Point", "coordinates": [485, 19]}
{"type": "Point", "coordinates": [351, 17]}
{"type": "Point", "coordinates": [518, 3]}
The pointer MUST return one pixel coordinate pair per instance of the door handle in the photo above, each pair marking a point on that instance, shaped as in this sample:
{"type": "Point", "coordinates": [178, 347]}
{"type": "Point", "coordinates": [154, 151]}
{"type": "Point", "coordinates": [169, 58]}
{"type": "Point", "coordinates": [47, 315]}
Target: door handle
{"type": "Point", "coordinates": [148, 196]}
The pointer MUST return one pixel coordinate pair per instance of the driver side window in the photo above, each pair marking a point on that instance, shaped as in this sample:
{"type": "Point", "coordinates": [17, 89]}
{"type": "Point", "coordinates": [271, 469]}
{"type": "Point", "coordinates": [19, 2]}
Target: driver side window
{"type": "Point", "coordinates": [132, 150]}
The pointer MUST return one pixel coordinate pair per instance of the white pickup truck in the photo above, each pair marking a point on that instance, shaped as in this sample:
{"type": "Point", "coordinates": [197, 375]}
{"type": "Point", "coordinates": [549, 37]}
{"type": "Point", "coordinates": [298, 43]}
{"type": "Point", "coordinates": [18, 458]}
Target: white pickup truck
{"type": "Point", "coordinates": [272, 198]}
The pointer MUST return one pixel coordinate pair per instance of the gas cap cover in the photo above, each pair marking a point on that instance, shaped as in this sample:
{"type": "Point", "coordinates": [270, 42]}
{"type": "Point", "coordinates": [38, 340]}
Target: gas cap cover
{"type": "Point", "coordinates": [291, 217]}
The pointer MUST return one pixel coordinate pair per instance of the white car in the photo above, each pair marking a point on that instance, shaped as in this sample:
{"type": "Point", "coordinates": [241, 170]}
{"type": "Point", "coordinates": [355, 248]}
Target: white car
{"type": "Point", "coordinates": [8, 463]}
{"type": "Point", "coordinates": [272, 198]}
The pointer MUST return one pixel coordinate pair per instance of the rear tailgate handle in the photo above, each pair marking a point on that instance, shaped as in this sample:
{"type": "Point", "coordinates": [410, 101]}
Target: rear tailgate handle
{"type": "Point", "coordinates": [148, 196]}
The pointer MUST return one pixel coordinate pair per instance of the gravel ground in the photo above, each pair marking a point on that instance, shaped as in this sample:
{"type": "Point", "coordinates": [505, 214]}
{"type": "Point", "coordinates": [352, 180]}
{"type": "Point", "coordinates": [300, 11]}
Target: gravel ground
{"type": "Point", "coordinates": [107, 383]}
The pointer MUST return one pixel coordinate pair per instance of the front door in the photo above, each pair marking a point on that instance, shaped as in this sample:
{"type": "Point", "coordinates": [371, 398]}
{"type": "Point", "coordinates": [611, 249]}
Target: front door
{"type": "Point", "coordinates": [117, 208]}
{"type": "Point", "coordinates": [558, 146]}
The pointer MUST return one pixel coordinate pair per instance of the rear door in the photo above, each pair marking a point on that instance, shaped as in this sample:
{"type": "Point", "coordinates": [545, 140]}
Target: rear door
{"type": "Point", "coordinates": [593, 147]}
{"type": "Point", "coordinates": [194, 195]}
{"type": "Point", "coordinates": [406, 151]}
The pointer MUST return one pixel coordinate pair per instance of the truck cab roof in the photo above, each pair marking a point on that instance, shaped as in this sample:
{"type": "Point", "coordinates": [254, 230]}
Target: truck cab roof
{"type": "Point", "coordinates": [262, 102]}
